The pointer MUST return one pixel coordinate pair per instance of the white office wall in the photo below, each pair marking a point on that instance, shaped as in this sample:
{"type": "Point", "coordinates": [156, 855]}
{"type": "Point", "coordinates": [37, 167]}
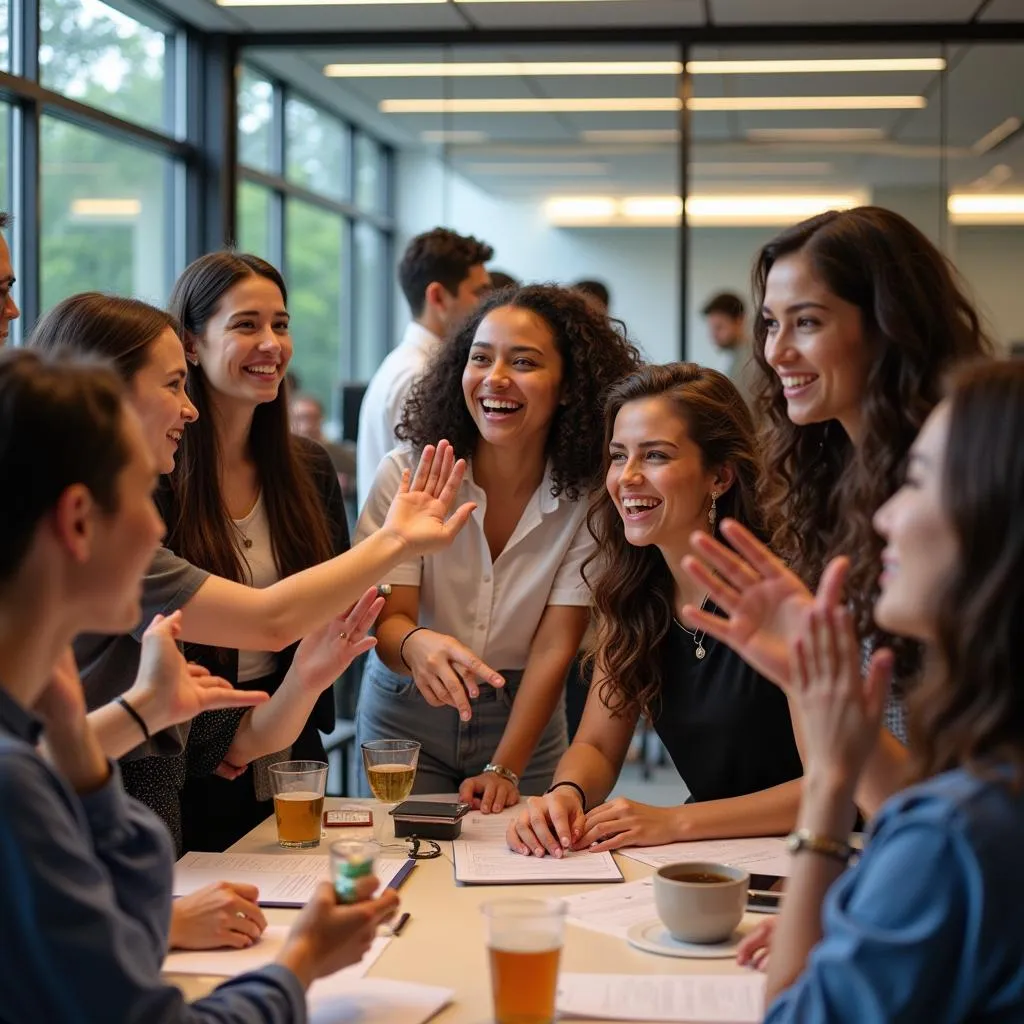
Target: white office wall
{"type": "Point", "coordinates": [992, 261]}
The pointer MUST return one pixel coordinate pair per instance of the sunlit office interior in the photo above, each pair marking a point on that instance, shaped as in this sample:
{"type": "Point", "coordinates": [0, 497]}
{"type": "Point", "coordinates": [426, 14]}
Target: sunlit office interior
{"type": "Point", "coordinates": [653, 146]}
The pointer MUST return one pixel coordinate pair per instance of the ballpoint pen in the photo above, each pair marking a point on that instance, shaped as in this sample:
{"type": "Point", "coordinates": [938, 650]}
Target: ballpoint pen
{"type": "Point", "coordinates": [400, 924]}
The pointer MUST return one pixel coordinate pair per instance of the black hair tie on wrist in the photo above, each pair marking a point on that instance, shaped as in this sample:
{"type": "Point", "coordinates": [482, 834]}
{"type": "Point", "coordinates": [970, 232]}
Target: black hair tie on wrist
{"type": "Point", "coordinates": [573, 785]}
{"type": "Point", "coordinates": [138, 718]}
{"type": "Point", "coordinates": [401, 646]}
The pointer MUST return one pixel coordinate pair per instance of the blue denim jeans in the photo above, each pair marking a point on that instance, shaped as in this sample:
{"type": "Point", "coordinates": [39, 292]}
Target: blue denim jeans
{"type": "Point", "coordinates": [390, 707]}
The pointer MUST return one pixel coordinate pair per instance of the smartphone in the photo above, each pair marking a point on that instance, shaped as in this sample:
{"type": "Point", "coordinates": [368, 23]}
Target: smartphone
{"type": "Point", "coordinates": [764, 895]}
{"type": "Point", "coordinates": [432, 809]}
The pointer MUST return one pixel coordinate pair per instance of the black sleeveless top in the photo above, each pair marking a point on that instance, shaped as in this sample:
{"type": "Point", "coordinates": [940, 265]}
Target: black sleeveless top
{"type": "Point", "coordinates": [726, 728]}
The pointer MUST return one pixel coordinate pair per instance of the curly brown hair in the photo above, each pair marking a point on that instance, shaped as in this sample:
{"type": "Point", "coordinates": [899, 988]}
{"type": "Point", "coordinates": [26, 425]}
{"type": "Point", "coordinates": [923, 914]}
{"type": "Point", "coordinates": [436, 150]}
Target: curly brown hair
{"type": "Point", "coordinates": [594, 354]}
{"type": "Point", "coordinates": [820, 489]}
{"type": "Point", "coordinates": [633, 598]}
{"type": "Point", "coordinates": [969, 711]}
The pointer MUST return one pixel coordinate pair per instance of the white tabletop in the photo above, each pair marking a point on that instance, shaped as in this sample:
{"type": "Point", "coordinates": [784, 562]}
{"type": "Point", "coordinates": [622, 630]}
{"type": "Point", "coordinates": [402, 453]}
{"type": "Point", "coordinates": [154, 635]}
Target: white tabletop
{"type": "Point", "coordinates": [443, 941]}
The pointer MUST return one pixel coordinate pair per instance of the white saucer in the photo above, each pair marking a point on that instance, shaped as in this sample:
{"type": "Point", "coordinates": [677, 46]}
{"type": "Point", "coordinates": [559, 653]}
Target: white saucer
{"type": "Point", "coordinates": [654, 937]}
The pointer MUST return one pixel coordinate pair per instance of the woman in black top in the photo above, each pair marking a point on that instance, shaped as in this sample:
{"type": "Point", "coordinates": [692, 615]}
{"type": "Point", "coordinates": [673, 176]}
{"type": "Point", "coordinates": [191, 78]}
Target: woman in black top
{"type": "Point", "coordinates": [680, 453]}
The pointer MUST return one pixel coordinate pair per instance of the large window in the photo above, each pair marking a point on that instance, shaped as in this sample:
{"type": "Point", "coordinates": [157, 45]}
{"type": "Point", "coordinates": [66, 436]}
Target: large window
{"type": "Point", "coordinates": [255, 120]}
{"type": "Point", "coordinates": [371, 273]}
{"type": "Point", "coordinates": [371, 175]}
{"type": "Point", "coordinates": [98, 55]}
{"type": "Point", "coordinates": [316, 145]}
{"type": "Point", "coordinates": [253, 219]}
{"type": "Point", "coordinates": [5, 149]}
{"type": "Point", "coordinates": [104, 216]}
{"type": "Point", "coordinates": [5, 46]}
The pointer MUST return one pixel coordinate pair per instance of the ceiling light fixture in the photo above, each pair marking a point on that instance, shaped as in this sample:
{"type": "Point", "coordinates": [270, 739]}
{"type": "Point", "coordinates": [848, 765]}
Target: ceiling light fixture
{"type": "Point", "coordinates": [816, 135]}
{"type": "Point", "coordinates": [1000, 133]}
{"type": "Point", "coordinates": [582, 167]}
{"type": "Point", "coordinates": [631, 135]}
{"type": "Point", "coordinates": [648, 104]}
{"type": "Point", "coordinates": [798, 67]}
{"type": "Point", "coordinates": [454, 137]}
{"type": "Point", "coordinates": [504, 69]}
{"type": "Point", "coordinates": [124, 208]}
{"type": "Point", "coordinates": [994, 208]}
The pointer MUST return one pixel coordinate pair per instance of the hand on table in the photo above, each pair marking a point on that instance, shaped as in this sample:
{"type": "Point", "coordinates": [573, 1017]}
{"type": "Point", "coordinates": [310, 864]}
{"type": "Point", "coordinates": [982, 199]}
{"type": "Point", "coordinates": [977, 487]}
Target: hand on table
{"type": "Point", "coordinates": [323, 655]}
{"type": "Point", "coordinates": [755, 947]}
{"type": "Point", "coordinates": [552, 824]}
{"type": "Point", "coordinates": [765, 604]}
{"type": "Point", "coordinates": [621, 822]}
{"type": "Point", "coordinates": [418, 510]}
{"type": "Point", "coordinates": [218, 915]}
{"type": "Point", "coordinates": [488, 792]}
{"type": "Point", "coordinates": [447, 672]}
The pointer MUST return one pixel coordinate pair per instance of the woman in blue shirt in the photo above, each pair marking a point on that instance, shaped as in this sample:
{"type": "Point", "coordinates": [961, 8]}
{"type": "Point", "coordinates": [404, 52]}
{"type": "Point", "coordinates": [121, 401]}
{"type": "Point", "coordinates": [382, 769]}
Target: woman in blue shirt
{"type": "Point", "coordinates": [929, 925]}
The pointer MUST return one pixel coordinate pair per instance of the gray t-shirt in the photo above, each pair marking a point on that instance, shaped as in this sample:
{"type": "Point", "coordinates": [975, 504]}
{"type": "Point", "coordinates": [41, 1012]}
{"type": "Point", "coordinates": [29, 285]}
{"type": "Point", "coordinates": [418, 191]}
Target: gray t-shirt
{"type": "Point", "coordinates": [108, 664]}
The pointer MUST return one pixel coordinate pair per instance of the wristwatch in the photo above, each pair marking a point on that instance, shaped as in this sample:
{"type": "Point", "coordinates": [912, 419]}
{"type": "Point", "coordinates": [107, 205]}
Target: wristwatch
{"type": "Point", "coordinates": [502, 772]}
{"type": "Point", "coordinates": [804, 839]}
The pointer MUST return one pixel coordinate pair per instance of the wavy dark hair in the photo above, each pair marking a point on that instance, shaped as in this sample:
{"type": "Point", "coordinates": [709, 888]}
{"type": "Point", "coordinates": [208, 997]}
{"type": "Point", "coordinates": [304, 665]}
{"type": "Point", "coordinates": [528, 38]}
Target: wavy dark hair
{"type": "Point", "coordinates": [918, 322]}
{"type": "Point", "coordinates": [199, 527]}
{"type": "Point", "coordinates": [969, 710]}
{"type": "Point", "coordinates": [108, 326]}
{"type": "Point", "coordinates": [594, 353]}
{"type": "Point", "coordinates": [633, 587]}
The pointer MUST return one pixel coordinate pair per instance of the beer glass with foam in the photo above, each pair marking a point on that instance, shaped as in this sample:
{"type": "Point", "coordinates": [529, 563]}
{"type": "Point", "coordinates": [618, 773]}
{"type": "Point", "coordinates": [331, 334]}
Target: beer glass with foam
{"type": "Point", "coordinates": [524, 944]}
{"type": "Point", "coordinates": [298, 802]}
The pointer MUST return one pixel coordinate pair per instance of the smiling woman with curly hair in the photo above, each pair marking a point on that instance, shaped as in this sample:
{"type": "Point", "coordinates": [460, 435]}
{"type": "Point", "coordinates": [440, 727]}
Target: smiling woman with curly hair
{"type": "Point", "coordinates": [474, 644]}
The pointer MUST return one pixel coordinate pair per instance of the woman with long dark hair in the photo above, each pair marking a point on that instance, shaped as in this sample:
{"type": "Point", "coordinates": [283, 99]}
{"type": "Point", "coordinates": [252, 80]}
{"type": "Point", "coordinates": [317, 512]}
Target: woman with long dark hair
{"type": "Point", "coordinates": [926, 926]}
{"type": "Point", "coordinates": [473, 645]}
{"type": "Point", "coordinates": [679, 453]}
{"type": "Point", "coordinates": [859, 319]}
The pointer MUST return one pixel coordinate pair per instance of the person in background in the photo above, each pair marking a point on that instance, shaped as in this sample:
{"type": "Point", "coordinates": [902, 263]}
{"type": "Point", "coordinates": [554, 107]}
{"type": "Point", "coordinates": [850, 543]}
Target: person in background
{"type": "Point", "coordinates": [860, 319]}
{"type": "Point", "coordinates": [8, 307]}
{"type": "Point", "coordinates": [306, 418]}
{"type": "Point", "coordinates": [87, 870]}
{"type": "Point", "coordinates": [473, 648]}
{"type": "Point", "coordinates": [926, 926]}
{"type": "Point", "coordinates": [679, 453]}
{"type": "Point", "coordinates": [596, 293]}
{"type": "Point", "coordinates": [726, 318]}
{"type": "Point", "coordinates": [499, 280]}
{"type": "Point", "coordinates": [443, 278]}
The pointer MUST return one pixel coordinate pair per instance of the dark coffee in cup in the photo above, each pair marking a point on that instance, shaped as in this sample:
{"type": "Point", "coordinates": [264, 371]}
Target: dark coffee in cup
{"type": "Point", "coordinates": [699, 877]}
{"type": "Point", "coordinates": [700, 901]}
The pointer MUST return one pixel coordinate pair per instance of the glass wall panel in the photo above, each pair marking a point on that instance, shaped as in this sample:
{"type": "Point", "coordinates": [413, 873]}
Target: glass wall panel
{"type": "Point", "coordinates": [5, 156]}
{"type": "Point", "coordinates": [371, 341]}
{"type": "Point", "coordinates": [371, 182]}
{"type": "Point", "coordinates": [313, 261]}
{"type": "Point", "coordinates": [98, 55]}
{"type": "Point", "coordinates": [255, 117]}
{"type": "Point", "coordinates": [316, 145]}
{"type": "Point", "coordinates": [254, 204]}
{"type": "Point", "coordinates": [104, 216]}
{"type": "Point", "coordinates": [5, 41]}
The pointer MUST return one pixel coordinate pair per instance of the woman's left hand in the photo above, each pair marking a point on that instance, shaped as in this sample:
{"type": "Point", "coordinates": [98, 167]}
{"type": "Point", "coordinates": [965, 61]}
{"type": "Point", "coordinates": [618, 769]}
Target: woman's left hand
{"type": "Point", "coordinates": [621, 822]}
{"type": "Point", "coordinates": [841, 712]}
{"type": "Point", "coordinates": [325, 653]}
{"type": "Point", "coordinates": [488, 792]}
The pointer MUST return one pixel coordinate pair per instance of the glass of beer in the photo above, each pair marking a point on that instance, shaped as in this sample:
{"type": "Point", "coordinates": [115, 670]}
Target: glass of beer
{"type": "Point", "coordinates": [298, 802]}
{"type": "Point", "coordinates": [524, 942]}
{"type": "Point", "coordinates": [391, 771]}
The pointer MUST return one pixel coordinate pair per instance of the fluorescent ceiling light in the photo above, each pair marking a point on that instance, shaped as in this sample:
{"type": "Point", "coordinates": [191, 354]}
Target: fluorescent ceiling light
{"type": "Point", "coordinates": [1000, 133]}
{"type": "Point", "coordinates": [701, 211]}
{"type": "Point", "coordinates": [611, 104]}
{"type": "Point", "coordinates": [998, 175]}
{"type": "Point", "coordinates": [504, 69]}
{"type": "Point", "coordinates": [634, 135]}
{"type": "Point", "coordinates": [797, 67]}
{"type": "Point", "coordinates": [587, 168]}
{"type": "Point", "coordinates": [807, 103]}
{"type": "Point", "coordinates": [394, 3]}
{"type": "Point", "coordinates": [455, 136]}
{"type": "Point", "coordinates": [997, 208]}
{"type": "Point", "coordinates": [816, 134]}
{"type": "Point", "coordinates": [126, 208]}
{"type": "Point", "coordinates": [740, 168]}
{"type": "Point", "coordinates": [624, 104]}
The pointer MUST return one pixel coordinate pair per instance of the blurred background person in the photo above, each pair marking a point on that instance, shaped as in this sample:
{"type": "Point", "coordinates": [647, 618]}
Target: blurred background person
{"type": "Point", "coordinates": [596, 293]}
{"type": "Point", "coordinates": [726, 317]}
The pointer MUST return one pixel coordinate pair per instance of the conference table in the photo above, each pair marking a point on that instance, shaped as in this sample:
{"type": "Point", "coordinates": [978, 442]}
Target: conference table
{"type": "Point", "coordinates": [443, 941]}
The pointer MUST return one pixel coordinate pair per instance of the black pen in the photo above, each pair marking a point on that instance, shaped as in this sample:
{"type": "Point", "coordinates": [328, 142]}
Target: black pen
{"type": "Point", "coordinates": [400, 924]}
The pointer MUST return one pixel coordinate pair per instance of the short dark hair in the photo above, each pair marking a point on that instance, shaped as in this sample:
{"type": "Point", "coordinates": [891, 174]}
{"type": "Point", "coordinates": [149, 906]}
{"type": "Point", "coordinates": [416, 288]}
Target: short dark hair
{"type": "Point", "coordinates": [61, 423]}
{"type": "Point", "coordinates": [727, 303]}
{"type": "Point", "coordinates": [439, 255]}
{"type": "Point", "coordinates": [499, 280]}
{"type": "Point", "coordinates": [105, 326]}
{"type": "Point", "coordinates": [595, 289]}
{"type": "Point", "coordinates": [5, 219]}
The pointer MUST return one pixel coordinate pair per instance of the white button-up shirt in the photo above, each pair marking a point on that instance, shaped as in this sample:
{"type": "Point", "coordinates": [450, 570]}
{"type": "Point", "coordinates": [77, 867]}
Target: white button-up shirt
{"type": "Point", "coordinates": [493, 607]}
{"type": "Point", "coordinates": [381, 410]}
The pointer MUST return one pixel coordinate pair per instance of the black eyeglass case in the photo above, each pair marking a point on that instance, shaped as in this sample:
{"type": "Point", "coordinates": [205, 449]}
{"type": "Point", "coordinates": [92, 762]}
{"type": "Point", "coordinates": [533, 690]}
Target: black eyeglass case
{"type": "Point", "coordinates": [429, 820]}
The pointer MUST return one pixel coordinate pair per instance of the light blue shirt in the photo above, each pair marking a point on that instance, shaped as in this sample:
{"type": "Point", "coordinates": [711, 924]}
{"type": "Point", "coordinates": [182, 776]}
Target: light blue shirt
{"type": "Point", "coordinates": [928, 927]}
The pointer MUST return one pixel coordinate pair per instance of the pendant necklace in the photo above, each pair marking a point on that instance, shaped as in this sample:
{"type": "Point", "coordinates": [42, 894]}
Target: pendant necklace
{"type": "Point", "coordinates": [698, 635]}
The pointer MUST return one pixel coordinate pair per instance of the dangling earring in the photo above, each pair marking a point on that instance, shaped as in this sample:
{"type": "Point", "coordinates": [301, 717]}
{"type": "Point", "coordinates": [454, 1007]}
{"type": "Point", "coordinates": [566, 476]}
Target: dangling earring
{"type": "Point", "coordinates": [713, 511]}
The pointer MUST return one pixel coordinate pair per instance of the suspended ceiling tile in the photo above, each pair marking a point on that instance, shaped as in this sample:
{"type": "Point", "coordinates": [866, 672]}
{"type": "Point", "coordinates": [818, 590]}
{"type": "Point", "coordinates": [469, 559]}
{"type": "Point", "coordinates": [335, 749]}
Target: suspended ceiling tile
{"type": "Point", "coordinates": [823, 12]}
{"type": "Point", "coordinates": [597, 14]}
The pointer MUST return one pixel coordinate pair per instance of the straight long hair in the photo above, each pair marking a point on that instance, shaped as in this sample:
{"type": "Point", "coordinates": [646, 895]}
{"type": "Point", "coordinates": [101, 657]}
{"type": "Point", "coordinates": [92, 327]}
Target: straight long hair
{"type": "Point", "coordinates": [199, 526]}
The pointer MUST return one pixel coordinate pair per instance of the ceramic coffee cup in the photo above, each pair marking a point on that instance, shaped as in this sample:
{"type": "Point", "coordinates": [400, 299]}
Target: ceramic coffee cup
{"type": "Point", "coordinates": [700, 902]}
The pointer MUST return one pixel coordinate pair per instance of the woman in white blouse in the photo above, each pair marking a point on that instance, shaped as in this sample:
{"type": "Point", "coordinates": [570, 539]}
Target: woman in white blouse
{"type": "Point", "coordinates": [474, 643]}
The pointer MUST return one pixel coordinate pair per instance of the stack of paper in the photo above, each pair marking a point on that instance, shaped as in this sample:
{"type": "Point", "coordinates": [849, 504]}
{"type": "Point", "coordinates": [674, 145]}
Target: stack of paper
{"type": "Point", "coordinates": [491, 862]}
{"type": "Point", "coordinates": [615, 910]}
{"type": "Point", "coordinates": [694, 998]}
{"type": "Point", "coordinates": [758, 856]}
{"type": "Point", "coordinates": [284, 880]}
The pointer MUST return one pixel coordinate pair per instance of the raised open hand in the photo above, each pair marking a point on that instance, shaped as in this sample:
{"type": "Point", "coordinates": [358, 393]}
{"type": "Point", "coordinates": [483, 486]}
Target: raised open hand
{"type": "Point", "coordinates": [417, 513]}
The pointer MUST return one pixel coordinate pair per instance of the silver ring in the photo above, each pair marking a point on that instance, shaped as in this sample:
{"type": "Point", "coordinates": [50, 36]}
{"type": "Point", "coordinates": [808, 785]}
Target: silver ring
{"type": "Point", "coordinates": [238, 913]}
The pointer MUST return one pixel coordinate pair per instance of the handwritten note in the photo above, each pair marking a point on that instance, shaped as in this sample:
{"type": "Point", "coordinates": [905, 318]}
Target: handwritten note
{"type": "Point", "coordinates": [695, 998]}
{"type": "Point", "coordinates": [758, 856]}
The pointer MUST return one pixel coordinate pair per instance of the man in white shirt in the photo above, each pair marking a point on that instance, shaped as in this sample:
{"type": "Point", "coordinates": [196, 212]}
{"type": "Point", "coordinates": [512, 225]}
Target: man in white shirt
{"type": "Point", "coordinates": [443, 278]}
